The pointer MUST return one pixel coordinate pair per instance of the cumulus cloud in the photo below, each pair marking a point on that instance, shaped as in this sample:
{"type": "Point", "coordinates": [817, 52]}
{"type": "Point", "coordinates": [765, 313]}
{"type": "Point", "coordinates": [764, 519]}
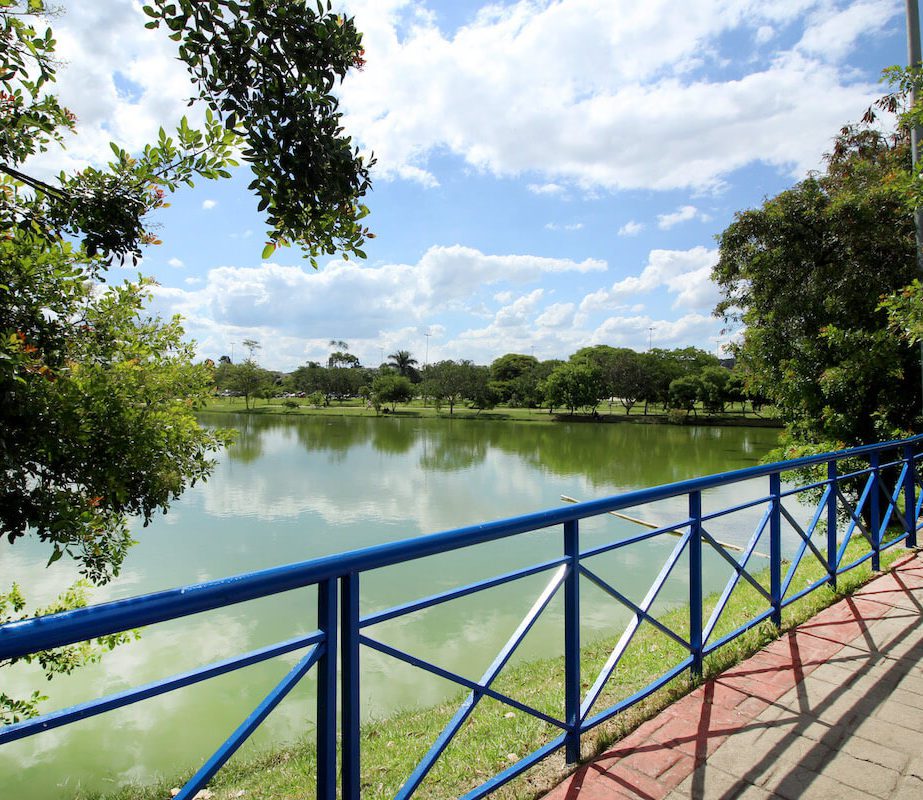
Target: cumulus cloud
{"type": "Point", "coordinates": [208, 205]}
{"type": "Point", "coordinates": [595, 94]}
{"type": "Point", "coordinates": [546, 188]}
{"type": "Point", "coordinates": [684, 273]}
{"type": "Point", "coordinates": [298, 308]}
{"type": "Point", "coordinates": [682, 214]}
{"type": "Point", "coordinates": [631, 228]}
{"type": "Point", "coordinates": [554, 226]}
{"type": "Point", "coordinates": [175, 262]}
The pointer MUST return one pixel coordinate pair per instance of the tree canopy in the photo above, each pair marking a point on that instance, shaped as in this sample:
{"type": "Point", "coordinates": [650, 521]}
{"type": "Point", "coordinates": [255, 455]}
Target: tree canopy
{"type": "Point", "coordinates": [805, 274]}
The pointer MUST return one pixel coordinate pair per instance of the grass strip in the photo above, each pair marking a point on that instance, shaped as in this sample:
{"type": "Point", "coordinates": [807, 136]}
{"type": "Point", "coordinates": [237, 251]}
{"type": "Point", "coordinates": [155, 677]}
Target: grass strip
{"type": "Point", "coordinates": [416, 410]}
{"type": "Point", "coordinates": [496, 735]}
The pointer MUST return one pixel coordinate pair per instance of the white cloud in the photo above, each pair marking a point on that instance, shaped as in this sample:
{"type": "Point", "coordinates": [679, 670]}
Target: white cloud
{"type": "Point", "coordinates": [175, 262]}
{"type": "Point", "coordinates": [764, 34]}
{"type": "Point", "coordinates": [546, 188]}
{"type": "Point", "coordinates": [682, 214]}
{"type": "Point", "coordinates": [832, 32]}
{"type": "Point", "coordinates": [631, 228]}
{"type": "Point", "coordinates": [633, 331]}
{"type": "Point", "coordinates": [295, 306]}
{"type": "Point", "coordinates": [609, 95]}
{"type": "Point", "coordinates": [557, 315]}
{"type": "Point", "coordinates": [554, 226]}
{"type": "Point", "coordinates": [685, 273]}
{"type": "Point", "coordinates": [208, 205]}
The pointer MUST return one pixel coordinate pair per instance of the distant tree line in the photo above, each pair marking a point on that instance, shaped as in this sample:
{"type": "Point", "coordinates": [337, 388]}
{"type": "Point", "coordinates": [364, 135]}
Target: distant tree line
{"type": "Point", "coordinates": [682, 380]}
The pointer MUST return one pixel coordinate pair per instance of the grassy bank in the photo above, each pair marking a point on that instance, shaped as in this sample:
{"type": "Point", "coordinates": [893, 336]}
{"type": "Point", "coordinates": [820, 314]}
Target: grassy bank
{"type": "Point", "coordinates": [494, 736]}
{"type": "Point", "coordinates": [416, 410]}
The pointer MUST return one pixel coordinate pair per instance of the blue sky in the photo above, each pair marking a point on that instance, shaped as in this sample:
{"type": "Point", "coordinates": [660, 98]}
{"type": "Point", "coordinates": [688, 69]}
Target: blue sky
{"type": "Point", "coordinates": [551, 173]}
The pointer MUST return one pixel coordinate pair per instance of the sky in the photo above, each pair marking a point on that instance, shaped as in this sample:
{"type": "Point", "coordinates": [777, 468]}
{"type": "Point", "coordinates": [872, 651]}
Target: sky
{"type": "Point", "coordinates": [551, 174]}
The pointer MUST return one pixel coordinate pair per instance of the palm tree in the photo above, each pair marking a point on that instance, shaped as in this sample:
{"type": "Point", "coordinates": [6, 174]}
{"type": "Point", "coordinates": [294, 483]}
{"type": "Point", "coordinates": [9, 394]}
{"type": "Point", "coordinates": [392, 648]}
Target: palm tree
{"type": "Point", "coordinates": [403, 362]}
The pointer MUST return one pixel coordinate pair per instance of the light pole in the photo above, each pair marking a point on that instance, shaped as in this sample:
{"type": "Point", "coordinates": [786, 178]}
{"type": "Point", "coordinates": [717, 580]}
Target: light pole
{"type": "Point", "coordinates": [427, 335]}
{"type": "Point", "coordinates": [650, 336]}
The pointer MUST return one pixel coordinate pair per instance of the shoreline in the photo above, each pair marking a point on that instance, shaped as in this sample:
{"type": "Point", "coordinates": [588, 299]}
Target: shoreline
{"type": "Point", "coordinates": [528, 415]}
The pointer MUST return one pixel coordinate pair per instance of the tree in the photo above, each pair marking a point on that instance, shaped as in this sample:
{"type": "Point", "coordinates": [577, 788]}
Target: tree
{"type": "Point", "coordinates": [248, 379]}
{"type": "Point", "coordinates": [448, 381]}
{"type": "Point", "coordinates": [714, 383]}
{"type": "Point", "coordinates": [480, 392]}
{"type": "Point", "coordinates": [515, 379]}
{"type": "Point", "coordinates": [404, 363]}
{"type": "Point", "coordinates": [805, 273]}
{"type": "Point", "coordinates": [97, 417]}
{"type": "Point", "coordinates": [391, 388]}
{"type": "Point", "coordinates": [341, 357]}
{"type": "Point", "coordinates": [574, 386]}
{"type": "Point", "coordinates": [627, 376]}
{"type": "Point", "coordinates": [684, 392]}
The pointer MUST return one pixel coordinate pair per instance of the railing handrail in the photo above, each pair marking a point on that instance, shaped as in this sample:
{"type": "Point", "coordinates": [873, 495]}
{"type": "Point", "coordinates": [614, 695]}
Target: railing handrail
{"type": "Point", "coordinates": [68, 627]}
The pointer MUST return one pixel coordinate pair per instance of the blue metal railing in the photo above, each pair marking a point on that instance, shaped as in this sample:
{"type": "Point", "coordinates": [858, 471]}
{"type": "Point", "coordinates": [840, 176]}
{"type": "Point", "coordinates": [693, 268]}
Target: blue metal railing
{"type": "Point", "coordinates": [891, 472]}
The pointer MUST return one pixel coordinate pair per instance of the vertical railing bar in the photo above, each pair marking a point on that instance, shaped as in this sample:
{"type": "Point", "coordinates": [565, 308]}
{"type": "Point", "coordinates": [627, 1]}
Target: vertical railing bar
{"type": "Point", "coordinates": [910, 517]}
{"type": "Point", "coordinates": [775, 547]}
{"type": "Point", "coordinates": [875, 511]}
{"type": "Point", "coordinates": [572, 642]}
{"type": "Point", "coordinates": [832, 561]}
{"type": "Point", "coordinates": [349, 679]}
{"type": "Point", "coordinates": [327, 692]}
{"type": "Point", "coordinates": [695, 582]}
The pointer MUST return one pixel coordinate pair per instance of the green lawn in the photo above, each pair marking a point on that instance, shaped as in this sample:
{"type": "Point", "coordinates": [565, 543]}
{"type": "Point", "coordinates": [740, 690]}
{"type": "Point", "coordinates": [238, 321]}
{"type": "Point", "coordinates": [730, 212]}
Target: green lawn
{"type": "Point", "coordinates": [417, 410]}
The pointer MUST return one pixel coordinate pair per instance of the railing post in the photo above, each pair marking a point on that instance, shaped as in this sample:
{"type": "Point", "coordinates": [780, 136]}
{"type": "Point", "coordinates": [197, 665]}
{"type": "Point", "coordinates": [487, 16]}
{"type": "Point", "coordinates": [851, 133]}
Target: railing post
{"type": "Point", "coordinates": [349, 677]}
{"type": "Point", "coordinates": [831, 525]}
{"type": "Point", "coordinates": [695, 581]}
{"type": "Point", "coordinates": [775, 547]}
{"type": "Point", "coordinates": [875, 512]}
{"type": "Point", "coordinates": [327, 692]}
{"type": "Point", "coordinates": [572, 641]}
{"type": "Point", "coordinates": [910, 497]}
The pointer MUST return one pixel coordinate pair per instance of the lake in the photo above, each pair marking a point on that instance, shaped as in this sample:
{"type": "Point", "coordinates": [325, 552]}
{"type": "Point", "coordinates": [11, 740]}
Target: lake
{"type": "Point", "coordinates": [293, 488]}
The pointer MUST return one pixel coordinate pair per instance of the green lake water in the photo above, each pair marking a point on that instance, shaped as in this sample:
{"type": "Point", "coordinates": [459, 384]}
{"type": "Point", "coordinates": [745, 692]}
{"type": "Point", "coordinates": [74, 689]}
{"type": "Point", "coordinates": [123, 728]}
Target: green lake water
{"type": "Point", "coordinates": [291, 489]}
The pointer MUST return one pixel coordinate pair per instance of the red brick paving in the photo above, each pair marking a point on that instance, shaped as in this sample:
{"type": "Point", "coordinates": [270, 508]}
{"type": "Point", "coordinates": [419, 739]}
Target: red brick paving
{"type": "Point", "coordinates": [663, 752]}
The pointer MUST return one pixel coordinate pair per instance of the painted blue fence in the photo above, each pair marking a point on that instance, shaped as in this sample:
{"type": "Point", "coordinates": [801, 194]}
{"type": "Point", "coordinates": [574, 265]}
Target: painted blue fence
{"type": "Point", "coordinates": [870, 491]}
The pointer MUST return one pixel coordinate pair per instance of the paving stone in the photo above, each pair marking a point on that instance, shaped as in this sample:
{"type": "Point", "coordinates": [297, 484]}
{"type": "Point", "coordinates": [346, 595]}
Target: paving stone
{"type": "Point", "coordinates": [888, 734]}
{"type": "Point", "coordinates": [869, 778]}
{"type": "Point", "coordinates": [797, 783]}
{"type": "Point", "coordinates": [709, 783]}
{"type": "Point", "coordinates": [875, 753]}
{"type": "Point", "coordinates": [910, 788]}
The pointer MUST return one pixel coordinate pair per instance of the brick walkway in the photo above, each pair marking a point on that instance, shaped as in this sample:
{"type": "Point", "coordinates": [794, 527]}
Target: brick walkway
{"type": "Point", "coordinates": [833, 709]}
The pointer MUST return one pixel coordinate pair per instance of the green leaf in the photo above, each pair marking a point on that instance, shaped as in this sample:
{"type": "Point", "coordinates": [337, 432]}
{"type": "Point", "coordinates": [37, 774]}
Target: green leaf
{"type": "Point", "coordinates": [268, 250]}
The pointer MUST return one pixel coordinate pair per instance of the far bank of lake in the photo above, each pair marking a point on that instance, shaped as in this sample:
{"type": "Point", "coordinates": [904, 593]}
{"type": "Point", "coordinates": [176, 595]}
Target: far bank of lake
{"type": "Point", "coordinates": [298, 487]}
